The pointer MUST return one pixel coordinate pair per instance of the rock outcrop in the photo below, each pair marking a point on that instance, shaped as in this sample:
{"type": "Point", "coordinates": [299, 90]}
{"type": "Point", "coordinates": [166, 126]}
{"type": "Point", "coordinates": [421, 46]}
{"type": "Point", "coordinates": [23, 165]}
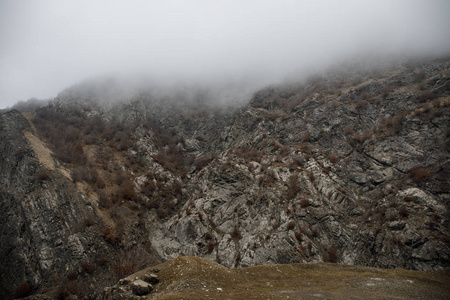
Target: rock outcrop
{"type": "Point", "coordinates": [133, 286]}
{"type": "Point", "coordinates": [350, 167]}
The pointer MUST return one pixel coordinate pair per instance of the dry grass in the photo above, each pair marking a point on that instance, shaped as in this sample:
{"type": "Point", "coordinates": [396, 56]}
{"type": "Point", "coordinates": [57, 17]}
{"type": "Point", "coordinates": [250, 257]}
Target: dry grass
{"type": "Point", "coordinates": [43, 153]}
{"type": "Point", "coordinates": [197, 278]}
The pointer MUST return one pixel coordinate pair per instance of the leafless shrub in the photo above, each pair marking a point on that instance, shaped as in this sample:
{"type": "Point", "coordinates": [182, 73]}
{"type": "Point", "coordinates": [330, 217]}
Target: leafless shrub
{"type": "Point", "coordinates": [122, 270]}
{"type": "Point", "coordinates": [386, 91]}
{"type": "Point", "coordinates": [236, 234]}
{"type": "Point", "coordinates": [425, 96]}
{"type": "Point", "coordinates": [104, 199]}
{"type": "Point", "coordinates": [208, 236]}
{"type": "Point", "coordinates": [298, 236]}
{"type": "Point", "coordinates": [419, 76]}
{"type": "Point", "coordinates": [43, 174]}
{"type": "Point", "coordinates": [348, 130]}
{"type": "Point", "coordinates": [23, 290]}
{"type": "Point", "coordinates": [408, 198]}
{"type": "Point", "coordinates": [293, 186]}
{"type": "Point", "coordinates": [403, 212]}
{"type": "Point", "coordinates": [419, 174]}
{"type": "Point", "coordinates": [127, 190]}
{"type": "Point", "coordinates": [363, 136]}
{"type": "Point", "coordinates": [82, 173]}
{"type": "Point", "coordinates": [211, 246]}
{"type": "Point", "coordinates": [248, 154]}
{"type": "Point", "coordinates": [88, 266]}
{"type": "Point", "coordinates": [102, 261]}
{"type": "Point", "coordinates": [333, 158]}
{"type": "Point", "coordinates": [311, 176]}
{"type": "Point", "coordinates": [331, 255]}
{"type": "Point", "coordinates": [72, 275]}
{"type": "Point", "coordinates": [290, 225]}
{"type": "Point", "coordinates": [305, 148]}
{"type": "Point", "coordinates": [304, 203]}
{"type": "Point", "coordinates": [110, 236]}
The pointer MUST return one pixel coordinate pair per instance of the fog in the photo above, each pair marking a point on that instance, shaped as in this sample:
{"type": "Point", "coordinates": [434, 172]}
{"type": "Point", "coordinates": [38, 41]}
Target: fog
{"type": "Point", "coordinates": [46, 46]}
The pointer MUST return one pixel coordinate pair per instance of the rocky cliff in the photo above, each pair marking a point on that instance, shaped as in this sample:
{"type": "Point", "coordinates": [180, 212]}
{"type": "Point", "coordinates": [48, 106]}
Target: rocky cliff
{"type": "Point", "coordinates": [350, 167]}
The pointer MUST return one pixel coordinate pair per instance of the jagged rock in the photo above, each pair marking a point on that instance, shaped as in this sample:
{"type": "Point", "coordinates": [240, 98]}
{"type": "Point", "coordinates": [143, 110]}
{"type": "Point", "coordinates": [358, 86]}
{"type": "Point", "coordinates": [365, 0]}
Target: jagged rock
{"type": "Point", "coordinates": [150, 278]}
{"type": "Point", "coordinates": [339, 170]}
{"type": "Point", "coordinates": [140, 287]}
{"type": "Point", "coordinates": [124, 281]}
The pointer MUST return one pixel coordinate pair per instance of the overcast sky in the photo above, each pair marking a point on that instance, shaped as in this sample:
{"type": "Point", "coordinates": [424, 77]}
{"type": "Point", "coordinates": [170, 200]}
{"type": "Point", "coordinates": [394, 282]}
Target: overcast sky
{"type": "Point", "coordinates": [46, 46]}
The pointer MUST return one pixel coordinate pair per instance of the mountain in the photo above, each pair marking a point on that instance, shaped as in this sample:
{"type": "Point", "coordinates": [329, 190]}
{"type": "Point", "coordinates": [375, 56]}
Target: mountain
{"type": "Point", "coordinates": [349, 167]}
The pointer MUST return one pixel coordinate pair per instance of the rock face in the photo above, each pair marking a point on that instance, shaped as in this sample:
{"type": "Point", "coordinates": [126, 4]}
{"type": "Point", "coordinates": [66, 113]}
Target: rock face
{"type": "Point", "coordinates": [132, 287]}
{"type": "Point", "coordinates": [45, 222]}
{"type": "Point", "coordinates": [350, 168]}
{"type": "Point", "coordinates": [364, 183]}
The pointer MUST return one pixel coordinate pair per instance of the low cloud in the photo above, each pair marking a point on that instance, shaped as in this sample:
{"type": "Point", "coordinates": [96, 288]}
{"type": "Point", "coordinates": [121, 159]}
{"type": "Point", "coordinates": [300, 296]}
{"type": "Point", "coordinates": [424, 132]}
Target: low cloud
{"type": "Point", "coordinates": [50, 45]}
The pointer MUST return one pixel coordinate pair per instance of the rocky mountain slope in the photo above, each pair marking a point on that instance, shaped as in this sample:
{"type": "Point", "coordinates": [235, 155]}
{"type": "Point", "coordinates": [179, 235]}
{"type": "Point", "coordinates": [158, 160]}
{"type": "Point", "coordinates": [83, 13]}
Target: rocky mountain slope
{"type": "Point", "coordinates": [349, 167]}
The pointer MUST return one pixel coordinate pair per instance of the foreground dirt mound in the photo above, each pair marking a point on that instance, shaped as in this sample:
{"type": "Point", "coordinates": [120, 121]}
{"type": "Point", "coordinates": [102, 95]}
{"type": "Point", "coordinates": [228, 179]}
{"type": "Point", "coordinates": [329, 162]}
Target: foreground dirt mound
{"type": "Point", "coordinates": [198, 278]}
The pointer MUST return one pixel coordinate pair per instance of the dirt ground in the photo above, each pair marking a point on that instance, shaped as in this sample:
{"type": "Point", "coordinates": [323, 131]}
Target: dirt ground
{"type": "Point", "coordinates": [196, 278]}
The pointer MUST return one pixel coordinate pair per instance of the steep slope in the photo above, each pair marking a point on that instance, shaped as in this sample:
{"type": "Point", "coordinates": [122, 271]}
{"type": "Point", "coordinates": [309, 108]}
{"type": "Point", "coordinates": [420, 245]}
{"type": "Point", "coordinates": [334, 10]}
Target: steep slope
{"type": "Point", "coordinates": [351, 167]}
{"type": "Point", "coordinates": [356, 173]}
{"type": "Point", "coordinates": [51, 232]}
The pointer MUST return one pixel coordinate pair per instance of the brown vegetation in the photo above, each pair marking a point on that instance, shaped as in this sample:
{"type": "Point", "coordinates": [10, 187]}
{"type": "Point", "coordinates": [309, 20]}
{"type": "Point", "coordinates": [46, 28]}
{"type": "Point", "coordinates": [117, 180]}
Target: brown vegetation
{"type": "Point", "coordinates": [419, 174]}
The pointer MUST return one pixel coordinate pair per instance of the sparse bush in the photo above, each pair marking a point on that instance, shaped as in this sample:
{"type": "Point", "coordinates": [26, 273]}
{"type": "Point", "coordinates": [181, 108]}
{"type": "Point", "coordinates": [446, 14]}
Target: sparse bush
{"type": "Point", "coordinates": [403, 212]}
{"type": "Point", "coordinates": [419, 76]}
{"type": "Point", "coordinates": [290, 225]}
{"type": "Point", "coordinates": [127, 190]}
{"type": "Point", "coordinates": [208, 236]}
{"type": "Point", "coordinates": [122, 270]}
{"type": "Point", "coordinates": [236, 234]}
{"type": "Point", "coordinates": [298, 236]}
{"type": "Point", "coordinates": [304, 203]}
{"type": "Point", "coordinates": [293, 187]}
{"type": "Point", "coordinates": [363, 136]}
{"type": "Point", "coordinates": [425, 96]}
{"type": "Point", "coordinates": [348, 130]}
{"type": "Point", "coordinates": [211, 246]}
{"type": "Point", "coordinates": [61, 292]}
{"type": "Point", "coordinates": [333, 158]}
{"type": "Point", "coordinates": [72, 275]}
{"type": "Point", "coordinates": [161, 213]}
{"type": "Point", "coordinates": [305, 148]}
{"type": "Point", "coordinates": [102, 260]}
{"type": "Point", "coordinates": [23, 290]}
{"type": "Point", "coordinates": [110, 236]}
{"type": "Point", "coordinates": [331, 255]}
{"type": "Point", "coordinates": [43, 174]}
{"type": "Point", "coordinates": [87, 266]}
{"type": "Point", "coordinates": [386, 91]}
{"type": "Point", "coordinates": [419, 174]}
{"type": "Point", "coordinates": [248, 154]}
{"type": "Point", "coordinates": [104, 199]}
{"type": "Point", "coordinates": [408, 198]}
{"type": "Point", "coordinates": [311, 176]}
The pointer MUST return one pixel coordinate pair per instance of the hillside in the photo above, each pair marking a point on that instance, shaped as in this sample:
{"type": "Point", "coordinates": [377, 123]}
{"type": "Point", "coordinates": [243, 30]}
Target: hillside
{"type": "Point", "coordinates": [349, 167]}
{"type": "Point", "coordinates": [197, 278]}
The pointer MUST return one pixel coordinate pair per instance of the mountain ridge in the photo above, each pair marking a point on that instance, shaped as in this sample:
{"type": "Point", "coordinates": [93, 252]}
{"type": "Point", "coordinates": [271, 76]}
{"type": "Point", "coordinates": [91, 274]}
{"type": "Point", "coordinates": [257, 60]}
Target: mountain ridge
{"type": "Point", "coordinates": [350, 168]}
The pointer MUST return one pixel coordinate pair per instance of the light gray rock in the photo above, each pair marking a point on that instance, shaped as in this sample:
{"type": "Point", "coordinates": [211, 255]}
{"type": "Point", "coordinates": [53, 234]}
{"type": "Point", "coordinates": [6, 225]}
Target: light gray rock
{"type": "Point", "coordinates": [140, 287]}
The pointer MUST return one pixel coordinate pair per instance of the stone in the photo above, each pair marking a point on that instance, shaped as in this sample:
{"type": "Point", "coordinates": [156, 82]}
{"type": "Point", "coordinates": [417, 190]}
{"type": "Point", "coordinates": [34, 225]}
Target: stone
{"type": "Point", "coordinates": [150, 278]}
{"type": "Point", "coordinates": [140, 287]}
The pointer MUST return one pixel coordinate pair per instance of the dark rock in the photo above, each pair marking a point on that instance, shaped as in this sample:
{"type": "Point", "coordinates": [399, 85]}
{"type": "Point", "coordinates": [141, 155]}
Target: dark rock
{"type": "Point", "coordinates": [150, 278]}
{"type": "Point", "coordinates": [140, 287]}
